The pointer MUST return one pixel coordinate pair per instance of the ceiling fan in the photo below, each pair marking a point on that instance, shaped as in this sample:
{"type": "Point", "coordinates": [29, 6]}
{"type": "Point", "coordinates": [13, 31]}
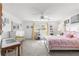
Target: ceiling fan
{"type": "Point", "coordinates": [41, 14]}
{"type": "Point", "coordinates": [44, 17]}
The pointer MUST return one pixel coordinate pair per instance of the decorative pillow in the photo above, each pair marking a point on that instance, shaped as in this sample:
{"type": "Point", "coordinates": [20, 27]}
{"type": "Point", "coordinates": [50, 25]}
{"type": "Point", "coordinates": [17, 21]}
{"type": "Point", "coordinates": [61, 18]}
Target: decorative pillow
{"type": "Point", "coordinates": [69, 34]}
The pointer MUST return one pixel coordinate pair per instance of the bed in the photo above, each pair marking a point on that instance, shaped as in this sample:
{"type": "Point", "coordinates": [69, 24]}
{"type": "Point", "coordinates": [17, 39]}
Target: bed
{"type": "Point", "coordinates": [68, 41]}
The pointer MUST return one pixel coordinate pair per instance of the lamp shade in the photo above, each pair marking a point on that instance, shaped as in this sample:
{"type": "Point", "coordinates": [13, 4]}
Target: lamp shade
{"type": "Point", "coordinates": [19, 33]}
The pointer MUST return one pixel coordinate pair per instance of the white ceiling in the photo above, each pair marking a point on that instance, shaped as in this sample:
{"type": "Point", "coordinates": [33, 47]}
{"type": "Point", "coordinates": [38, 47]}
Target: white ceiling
{"type": "Point", "coordinates": [32, 11]}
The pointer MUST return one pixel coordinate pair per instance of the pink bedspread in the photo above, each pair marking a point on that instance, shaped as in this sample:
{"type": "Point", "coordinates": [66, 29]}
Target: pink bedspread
{"type": "Point", "coordinates": [62, 42]}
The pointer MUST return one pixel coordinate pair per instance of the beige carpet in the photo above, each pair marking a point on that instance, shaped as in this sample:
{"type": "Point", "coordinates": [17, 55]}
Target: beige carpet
{"type": "Point", "coordinates": [34, 48]}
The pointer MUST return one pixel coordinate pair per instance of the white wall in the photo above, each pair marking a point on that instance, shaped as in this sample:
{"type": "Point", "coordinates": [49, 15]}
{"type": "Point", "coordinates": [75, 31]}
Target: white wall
{"type": "Point", "coordinates": [38, 25]}
{"type": "Point", "coordinates": [40, 28]}
{"type": "Point", "coordinates": [72, 27]}
{"type": "Point", "coordinates": [8, 27]}
{"type": "Point", "coordinates": [55, 27]}
{"type": "Point", "coordinates": [53, 23]}
{"type": "Point", "coordinates": [68, 27]}
{"type": "Point", "coordinates": [10, 17]}
{"type": "Point", "coordinates": [61, 27]}
{"type": "Point", "coordinates": [27, 31]}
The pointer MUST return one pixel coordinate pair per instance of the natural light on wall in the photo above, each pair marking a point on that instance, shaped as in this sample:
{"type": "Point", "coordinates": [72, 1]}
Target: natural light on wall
{"type": "Point", "coordinates": [73, 27]}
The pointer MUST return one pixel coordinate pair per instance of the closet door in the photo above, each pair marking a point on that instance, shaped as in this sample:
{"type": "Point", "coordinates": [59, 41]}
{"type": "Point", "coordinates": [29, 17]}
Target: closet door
{"type": "Point", "coordinates": [0, 17]}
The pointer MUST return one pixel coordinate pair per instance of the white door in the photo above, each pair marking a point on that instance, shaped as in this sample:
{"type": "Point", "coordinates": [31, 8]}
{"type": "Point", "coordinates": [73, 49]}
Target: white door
{"type": "Point", "coordinates": [28, 30]}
